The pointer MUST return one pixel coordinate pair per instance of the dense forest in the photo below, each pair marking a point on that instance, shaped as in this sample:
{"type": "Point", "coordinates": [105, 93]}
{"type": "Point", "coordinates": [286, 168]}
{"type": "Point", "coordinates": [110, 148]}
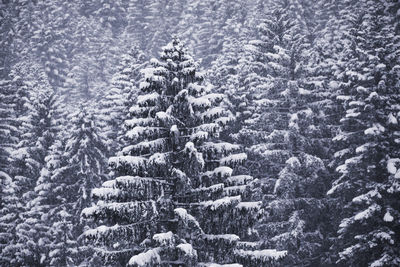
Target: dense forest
{"type": "Point", "coordinates": [200, 133]}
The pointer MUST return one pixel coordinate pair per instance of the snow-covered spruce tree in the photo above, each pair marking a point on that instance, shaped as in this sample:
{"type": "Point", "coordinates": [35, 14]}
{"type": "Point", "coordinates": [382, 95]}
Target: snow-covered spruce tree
{"type": "Point", "coordinates": [8, 131]}
{"type": "Point", "coordinates": [117, 101]}
{"type": "Point", "coordinates": [73, 166]}
{"type": "Point", "coordinates": [225, 76]}
{"type": "Point", "coordinates": [9, 212]}
{"type": "Point", "coordinates": [85, 151]}
{"type": "Point", "coordinates": [277, 121]}
{"type": "Point", "coordinates": [28, 132]}
{"type": "Point", "coordinates": [325, 69]}
{"type": "Point", "coordinates": [9, 136]}
{"type": "Point", "coordinates": [84, 169]}
{"type": "Point", "coordinates": [47, 203]}
{"type": "Point", "coordinates": [367, 186]}
{"type": "Point", "coordinates": [13, 98]}
{"type": "Point", "coordinates": [174, 200]}
{"type": "Point", "coordinates": [39, 131]}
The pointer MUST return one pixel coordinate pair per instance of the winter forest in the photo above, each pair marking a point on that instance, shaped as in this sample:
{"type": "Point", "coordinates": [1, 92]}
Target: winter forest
{"type": "Point", "coordinates": [199, 133]}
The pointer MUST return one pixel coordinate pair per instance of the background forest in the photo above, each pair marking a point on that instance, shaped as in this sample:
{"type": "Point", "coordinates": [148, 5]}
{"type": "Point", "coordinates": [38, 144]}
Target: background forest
{"type": "Point", "coordinates": [200, 133]}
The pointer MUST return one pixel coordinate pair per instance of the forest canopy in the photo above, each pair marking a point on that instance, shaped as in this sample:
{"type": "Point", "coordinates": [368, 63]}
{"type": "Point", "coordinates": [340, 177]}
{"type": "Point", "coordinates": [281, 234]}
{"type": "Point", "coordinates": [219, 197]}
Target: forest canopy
{"type": "Point", "coordinates": [200, 133]}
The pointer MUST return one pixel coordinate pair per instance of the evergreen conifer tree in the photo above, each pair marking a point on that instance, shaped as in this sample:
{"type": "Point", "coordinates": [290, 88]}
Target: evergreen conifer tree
{"type": "Point", "coordinates": [367, 159]}
{"type": "Point", "coordinates": [117, 101]}
{"type": "Point", "coordinates": [73, 166]}
{"type": "Point", "coordinates": [40, 130]}
{"type": "Point", "coordinates": [177, 192]}
{"type": "Point", "coordinates": [25, 154]}
{"type": "Point", "coordinates": [278, 115]}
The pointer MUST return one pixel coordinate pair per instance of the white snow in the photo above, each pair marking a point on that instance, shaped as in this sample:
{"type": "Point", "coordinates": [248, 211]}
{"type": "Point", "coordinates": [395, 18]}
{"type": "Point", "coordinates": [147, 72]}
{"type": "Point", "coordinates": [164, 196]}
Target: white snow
{"type": "Point", "coordinates": [342, 169]}
{"type": "Point", "coordinates": [158, 159]}
{"type": "Point", "coordinates": [384, 236]}
{"type": "Point", "coordinates": [174, 130]}
{"type": "Point", "coordinates": [87, 212]}
{"type": "Point", "coordinates": [164, 239]}
{"type": "Point", "coordinates": [187, 249]}
{"type": "Point", "coordinates": [361, 89]}
{"type": "Point", "coordinates": [140, 131]}
{"type": "Point", "coordinates": [233, 159]}
{"type": "Point", "coordinates": [380, 66]}
{"type": "Point", "coordinates": [211, 189]}
{"type": "Point", "coordinates": [334, 85]}
{"type": "Point", "coordinates": [223, 171]}
{"type": "Point", "coordinates": [344, 223]}
{"type": "Point", "coordinates": [349, 250]}
{"type": "Point", "coordinates": [199, 135]}
{"type": "Point", "coordinates": [139, 122]}
{"type": "Point", "coordinates": [213, 112]}
{"type": "Point", "coordinates": [293, 163]}
{"type": "Point", "coordinates": [247, 244]}
{"type": "Point", "coordinates": [148, 258]}
{"type": "Point", "coordinates": [192, 152]}
{"type": "Point", "coordinates": [388, 217]}
{"type": "Point", "coordinates": [220, 148]}
{"type": "Point", "coordinates": [5, 177]}
{"type": "Point", "coordinates": [122, 208]}
{"type": "Point", "coordinates": [343, 97]}
{"type": "Point", "coordinates": [133, 181]}
{"type": "Point", "coordinates": [367, 198]}
{"type": "Point", "coordinates": [372, 95]}
{"type": "Point", "coordinates": [109, 184]}
{"type": "Point", "coordinates": [164, 116]}
{"type": "Point", "coordinates": [381, 262]}
{"type": "Point", "coordinates": [352, 113]}
{"type": "Point", "coordinates": [304, 91]}
{"type": "Point", "coordinates": [363, 148]}
{"type": "Point", "coordinates": [200, 102]}
{"type": "Point", "coordinates": [215, 97]}
{"type": "Point", "coordinates": [221, 203]}
{"type": "Point", "coordinates": [101, 230]}
{"type": "Point", "coordinates": [262, 254]}
{"type": "Point", "coordinates": [148, 98]}
{"type": "Point", "coordinates": [391, 165]}
{"type": "Point", "coordinates": [208, 127]}
{"type": "Point", "coordinates": [144, 85]}
{"type": "Point", "coordinates": [132, 161]}
{"type": "Point", "coordinates": [356, 103]}
{"type": "Point", "coordinates": [332, 190]}
{"type": "Point", "coordinates": [376, 129]}
{"type": "Point", "coordinates": [208, 264]}
{"type": "Point", "coordinates": [367, 213]}
{"type": "Point", "coordinates": [105, 193]}
{"type": "Point", "coordinates": [234, 190]}
{"type": "Point", "coordinates": [20, 153]}
{"type": "Point", "coordinates": [392, 119]}
{"type": "Point", "coordinates": [186, 217]}
{"type": "Point", "coordinates": [293, 121]}
{"type": "Point", "coordinates": [353, 160]}
{"type": "Point", "coordinates": [135, 109]}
